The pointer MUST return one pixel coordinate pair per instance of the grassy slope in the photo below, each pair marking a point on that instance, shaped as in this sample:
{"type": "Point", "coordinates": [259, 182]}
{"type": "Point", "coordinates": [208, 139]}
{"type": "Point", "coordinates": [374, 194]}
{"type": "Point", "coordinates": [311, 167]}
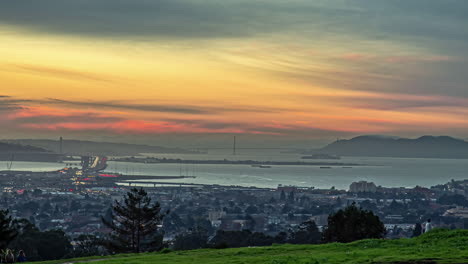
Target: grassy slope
{"type": "Point", "coordinates": [438, 246]}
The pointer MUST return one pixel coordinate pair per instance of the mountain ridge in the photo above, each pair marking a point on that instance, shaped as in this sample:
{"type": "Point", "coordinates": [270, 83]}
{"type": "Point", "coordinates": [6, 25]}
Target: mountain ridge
{"type": "Point", "coordinates": [13, 147]}
{"type": "Point", "coordinates": [85, 147]}
{"type": "Point", "coordinates": [426, 146]}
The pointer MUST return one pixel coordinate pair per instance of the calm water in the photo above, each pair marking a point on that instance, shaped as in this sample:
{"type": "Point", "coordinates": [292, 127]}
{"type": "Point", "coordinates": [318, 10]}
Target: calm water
{"type": "Point", "coordinates": [389, 172]}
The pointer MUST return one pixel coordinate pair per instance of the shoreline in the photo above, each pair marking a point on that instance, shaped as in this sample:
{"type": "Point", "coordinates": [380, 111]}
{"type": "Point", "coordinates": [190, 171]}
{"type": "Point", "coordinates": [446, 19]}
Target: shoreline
{"type": "Point", "coordinates": [231, 162]}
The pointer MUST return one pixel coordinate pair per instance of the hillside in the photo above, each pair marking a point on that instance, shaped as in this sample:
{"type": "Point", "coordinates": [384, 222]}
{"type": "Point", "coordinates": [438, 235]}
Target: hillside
{"type": "Point", "coordinates": [82, 147]}
{"type": "Point", "coordinates": [438, 246]}
{"type": "Point", "coordinates": [377, 146]}
{"type": "Point", "coordinates": [12, 147]}
{"type": "Point", "coordinates": [19, 152]}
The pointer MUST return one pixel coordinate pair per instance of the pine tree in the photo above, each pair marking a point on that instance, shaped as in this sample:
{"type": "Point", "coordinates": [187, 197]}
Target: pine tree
{"type": "Point", "coordinates": [135, 223]}
{"type": "Point", "coordinates": [7, 230]}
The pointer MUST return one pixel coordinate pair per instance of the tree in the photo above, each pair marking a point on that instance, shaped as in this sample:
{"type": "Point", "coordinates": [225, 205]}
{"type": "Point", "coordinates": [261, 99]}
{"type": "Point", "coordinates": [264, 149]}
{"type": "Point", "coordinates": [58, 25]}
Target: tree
{"type": "Point", "coordinates": [308, 233]}
{"type": "Point", "coordinates": [37, 192]}
{"type": "Point", "coordinates": [135, 223]}
{"type": "Point", "coordinates": [226, 239]}
{"type": "Point", "coordinates": [189, 222]}
{"type": "Point", "coordinates": [417, 230]}
{"type": "Point", "coordinates": [75, 205]}
{"type": "Point", "coordinates": [30, 206]}
{"type": "Point", "coordinates": [352, 224]}
{"type": "Point", "coordinates": [47, 207]}
{"type": "Point", "coordinates": [244, 238]}
{"type": "Point", "coordinates": [53, 244]}
{"type": "Point", "coordinates": [48, 245]}
{"type": "Point", "coordinates": [236, 210]}
{"type": "Point", "coordinates": [368, 205]}
{"type": "Point", "coordinates": [251, 209]}
{"type": "Point", "coordinates": [291, 198]}
{"type": "Point", "coordinates": [191, 240]}
{"type": "Point", "coordinates": [259, 239]}
{"type": "Point", "coordinates": [338, 202]}
{"type": "Point", "coordinates": [173, 223]}
{"type": "Point", "coordinates": [203, 224]}
{"type": "Point", "coordinates": [250, 223]}
{"type": "Point", "coordinates": [87, 245]}
{"type": "Point", "coordinates": [282, 196]}
{"type": "Point", "coordinates": [455, 199]}
{"type": "Point", "coordinates": [7, 230]}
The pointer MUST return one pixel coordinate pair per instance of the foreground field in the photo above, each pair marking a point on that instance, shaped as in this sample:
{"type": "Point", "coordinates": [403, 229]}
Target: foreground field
{"type": "Point", "coordinates": [438, 246]}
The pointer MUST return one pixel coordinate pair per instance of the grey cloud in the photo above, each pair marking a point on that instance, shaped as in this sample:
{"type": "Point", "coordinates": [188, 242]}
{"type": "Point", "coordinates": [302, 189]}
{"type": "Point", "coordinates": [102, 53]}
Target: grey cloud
{"type": "Point", "coordinates": [119, 105]}
{"type": "Point", "coordinates": [168, 108]}
{"type": "Point", "coordinates": [402, 103]}
{"type": "Point", "coordinates": [21, 103]}
{"type": "Point", "coordinates": [13, 103]}
{"type": "Point", "coordinates": [300, 131]}
{"type": "Point", "coordinates": [229, 18]}
{"type": "Point", "coordinates": [419, 76]}
{"type": "Point", "coordinates": [205, 123]}
{"type": "Point", "coordinates": [138, 18]}
{"type": "Point", "coordinates": [393, 102]}
{"type": "Point", "coordinates": [8, 108]}
{"type": "Point", "coordinates": [73, 118]}
{"type": "Point", "coordinates": [138, 107]}
{"type": "Point", "coordinates": [290, 130]}
{"type": "Point", "coordinates": [7, 105]}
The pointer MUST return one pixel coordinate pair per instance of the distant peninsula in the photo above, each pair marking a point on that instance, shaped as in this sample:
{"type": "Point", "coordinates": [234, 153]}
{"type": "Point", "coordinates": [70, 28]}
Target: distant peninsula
{"type": "Point", "coordinates": [253, 163]}
{"type": "Point", "coordinates": [382, 146]}
{"type": "Point", "coordinates": [84, 147]}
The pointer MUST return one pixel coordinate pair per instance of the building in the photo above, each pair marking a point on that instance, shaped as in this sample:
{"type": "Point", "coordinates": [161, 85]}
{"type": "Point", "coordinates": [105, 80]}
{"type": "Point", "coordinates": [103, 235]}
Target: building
{"type": "Point", "coordinates": [460, 212]}
{"type": "Point", "coordinates": [362, 186]}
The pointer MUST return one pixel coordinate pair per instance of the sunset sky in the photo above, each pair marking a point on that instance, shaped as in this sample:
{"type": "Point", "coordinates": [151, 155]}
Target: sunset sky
{"type": "Point", "coordinates": [278, 71]}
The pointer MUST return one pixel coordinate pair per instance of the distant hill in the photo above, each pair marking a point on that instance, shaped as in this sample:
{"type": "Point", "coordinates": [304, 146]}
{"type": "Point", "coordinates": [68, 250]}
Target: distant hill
{"type": "Point", "coordinates": [19, 152]}
{"type": "Point", "coordinates": [437, 246]}
{"type": "Point", "coordinates": [380, 146]}
{"type": "Point", "coordinates": [81, 147]}
{"type": "Point", "coordinates": [14, 147]}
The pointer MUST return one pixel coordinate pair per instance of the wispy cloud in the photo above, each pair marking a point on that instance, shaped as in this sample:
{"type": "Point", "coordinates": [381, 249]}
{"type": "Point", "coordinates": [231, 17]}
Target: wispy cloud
{"type": "Point", "coordinates": [383, 100]}
{"type": "Point", "coordinates": [157, 107]}
{"type": "Point", "coordinates": [56, 72]}
{"type": "Point", "coordinates": [162, 107]}
{"type": "Point", "coordinates": [126, 106]}
{"type": "Point", "coordinates": [374, 58]}
{"type": "Point", "coordinates": [6, 105]}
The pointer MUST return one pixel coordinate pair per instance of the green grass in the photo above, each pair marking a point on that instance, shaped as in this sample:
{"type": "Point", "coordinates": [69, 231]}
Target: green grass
{"type": "Point", "coordinates": [437, 246]}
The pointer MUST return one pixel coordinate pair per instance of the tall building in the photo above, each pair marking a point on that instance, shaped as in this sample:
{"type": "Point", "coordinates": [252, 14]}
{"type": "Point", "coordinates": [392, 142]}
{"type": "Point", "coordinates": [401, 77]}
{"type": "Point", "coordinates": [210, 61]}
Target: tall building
{"type": "Point", "coordinates": [362, 186]}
